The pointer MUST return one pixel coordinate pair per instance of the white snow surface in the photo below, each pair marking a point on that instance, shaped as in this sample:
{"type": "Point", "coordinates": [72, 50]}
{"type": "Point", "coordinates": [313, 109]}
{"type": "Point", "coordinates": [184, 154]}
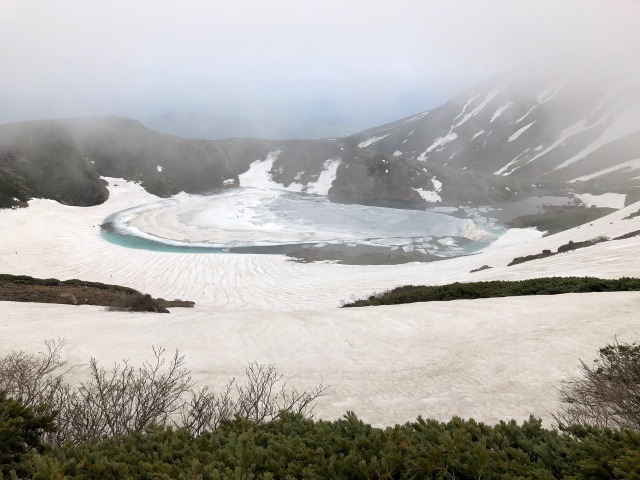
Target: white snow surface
{"type": "Point", "coordinates": [159, 168]}
{"type": "Point", "coordinates": [388, 364]}
{"type": "Point", "coordinates": [439, 142]}
{"type": "Point", "coordinates": [500, 111]}
{"type": "Point", "coordinates": [630, 165]}
{"type": "Point", "coordinates": [606, 200]}
{"type": "Point", "coordinates": [485, 101]}
{"type": "Point", "coordinates": [430, 196]}
{"type": "Point", "coordinates": [259, 175]}
{"type": "Point", "coordinates": [625, 123]}
{"type": "Point", "coordinates": [477, 134]}
{"type": "Point", "coordinates": [371, 141]}
{"type": "Point", "coordinates": [541, 98]}
{"type": "Point", "coordinates": [520, 131]}
{"type": "Point", "coordinates": [326, 178]}
{"type": "Point", "coordinates": [568, 132]}
{"type": "Point", "coordinates": [466, 105]}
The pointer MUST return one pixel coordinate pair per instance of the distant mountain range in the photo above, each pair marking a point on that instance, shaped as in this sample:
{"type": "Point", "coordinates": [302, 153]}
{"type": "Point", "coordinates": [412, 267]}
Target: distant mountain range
{"type": "Point", "coordinates": [217, 127]}
{"type": "Point", "coordinates": [514, 136]}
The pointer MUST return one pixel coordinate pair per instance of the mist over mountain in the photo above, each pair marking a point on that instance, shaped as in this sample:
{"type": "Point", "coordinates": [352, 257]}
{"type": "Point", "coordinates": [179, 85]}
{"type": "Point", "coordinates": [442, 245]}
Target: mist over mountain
{"type": "Point", "coordinates": [577, 128]}
{"type": "Point", "coordinates": [526, 132]}
{"type": "Point", "coordinates": [216, 127]}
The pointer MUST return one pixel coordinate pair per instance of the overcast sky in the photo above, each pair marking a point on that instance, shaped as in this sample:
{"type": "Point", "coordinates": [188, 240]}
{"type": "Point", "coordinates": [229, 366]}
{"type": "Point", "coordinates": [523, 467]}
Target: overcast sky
{"type": "Point", "coordinates": [376, 58]}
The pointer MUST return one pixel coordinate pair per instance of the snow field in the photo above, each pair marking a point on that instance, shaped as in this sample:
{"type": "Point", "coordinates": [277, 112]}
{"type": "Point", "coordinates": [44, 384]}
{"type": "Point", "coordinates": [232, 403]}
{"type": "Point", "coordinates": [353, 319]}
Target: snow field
{"type": "Point", "coordinates": [487, 359]}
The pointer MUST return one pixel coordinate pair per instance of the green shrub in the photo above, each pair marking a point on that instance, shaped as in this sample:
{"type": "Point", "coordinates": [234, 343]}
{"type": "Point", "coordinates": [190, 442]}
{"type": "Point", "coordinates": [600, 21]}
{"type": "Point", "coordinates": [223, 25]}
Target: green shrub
{"type": "Point", "coordinates": [498, 288]}
{"type": "Point", "coordinates": [21, 430]}
{"type": "Point", "coordinates": [528, 258]}
{"type": "Point", "coordinates": [294, 447]}
{"type": "Point", "coordinates": [567, 247]}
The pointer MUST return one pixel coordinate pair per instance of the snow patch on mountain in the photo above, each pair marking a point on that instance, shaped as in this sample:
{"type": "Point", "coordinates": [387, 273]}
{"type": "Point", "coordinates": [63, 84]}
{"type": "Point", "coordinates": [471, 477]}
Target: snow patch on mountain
{"type": "Point", "coordinates": [520, 132]}
{"type": "Point", "coordinates": [630, 165]}
{"type": "Point", "coordinates": [611, 94]}
{"type": "Point", "coordinates": [500, 111]}
{"type": "Point", "coordinates": [431, 196]}
{"type": "Point", "coordinates": [417, 117]}
{"type": "Point", "coordinates": [466, 105]}
{"type": "Point", "coordinates": [326, 178]}
{"type": "Point", "coordinates": [259, 175]}
{"type": "Point", "coordinates": [625, 123]}
{"type": "Point", "coordinates": [477, 134]}
{"type": "Point", "coordinates": [440, 141]}
{"type": "Point", "coordinates": [371, 141]}
{"type": "Point", "coordinates": [512, 162]}
{"type": "Point", "coordinates": [541, 98]}
{"type": "Point", "coordinates": [548, 93]}
{"type": "Point", "coordinates": [606, 200]}
{"type": "Point", "coordinates": [568, 132]}
{"type": "Point", "coordinates": [487, 98]}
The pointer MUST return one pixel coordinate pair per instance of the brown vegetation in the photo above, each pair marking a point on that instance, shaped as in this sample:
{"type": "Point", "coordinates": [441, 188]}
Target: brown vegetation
{"type": "Point", "coordinates": [607, 394]}
{"type": "Point", "coordinates": [21, 288]}
{"type": "Point", "coordinates": [161, 392]}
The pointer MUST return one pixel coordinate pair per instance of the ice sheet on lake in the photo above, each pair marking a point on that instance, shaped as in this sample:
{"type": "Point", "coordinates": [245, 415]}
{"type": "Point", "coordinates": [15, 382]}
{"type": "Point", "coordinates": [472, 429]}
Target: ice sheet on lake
{"type": "Point", "coordinates": [253, 217]}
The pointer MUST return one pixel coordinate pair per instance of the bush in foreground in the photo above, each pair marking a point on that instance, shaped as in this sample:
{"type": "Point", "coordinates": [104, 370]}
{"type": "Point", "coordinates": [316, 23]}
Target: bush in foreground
{"type": "Point", "coordinates": [126, 399]}
{"type": "Point", "coordinates": [293, 447]}
{"type": "Point", "coordinates": [607, 394]}
{"type": "Point", "coordinates": [21, 432]}
{"type": "Point", "coordinates": [286, 443]}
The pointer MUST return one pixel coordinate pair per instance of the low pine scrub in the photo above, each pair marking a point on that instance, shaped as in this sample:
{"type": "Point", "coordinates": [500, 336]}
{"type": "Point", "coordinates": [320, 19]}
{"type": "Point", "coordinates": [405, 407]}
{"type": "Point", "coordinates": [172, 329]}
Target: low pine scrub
{"type": "Point", "coordinates": [498, 288]}
{"type": "Point", "coordinates": [598, 434]}
{"type": "Point", "coordinates": [294, 447]}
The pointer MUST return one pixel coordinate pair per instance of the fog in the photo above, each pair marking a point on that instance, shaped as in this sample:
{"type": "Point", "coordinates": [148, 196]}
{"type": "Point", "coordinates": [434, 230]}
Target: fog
{"type": "Point", "coordinates": [372, 61]}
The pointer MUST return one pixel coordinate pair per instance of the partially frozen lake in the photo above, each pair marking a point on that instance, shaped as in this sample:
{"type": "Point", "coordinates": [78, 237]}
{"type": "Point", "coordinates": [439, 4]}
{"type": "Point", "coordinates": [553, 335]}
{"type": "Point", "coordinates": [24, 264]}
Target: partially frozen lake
{"type": "Point", "coordinates": [246, 218]}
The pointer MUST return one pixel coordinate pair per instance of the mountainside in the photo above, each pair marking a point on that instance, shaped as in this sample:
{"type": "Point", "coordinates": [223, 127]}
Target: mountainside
{"type": "Point", "coordinates": [582, 128]}
{"type": "Point", "coordinates": [78, 151]}
{"type": "Point", "coordinates": [41, 160]}
{"type": "Point", "coordinates": [515, 136]}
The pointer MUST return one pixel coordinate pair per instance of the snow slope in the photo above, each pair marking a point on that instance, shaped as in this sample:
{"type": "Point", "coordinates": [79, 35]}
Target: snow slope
{"type": "Point", "coordinates": [558, 129]}
{"type": "Point", "coordinates": [488, 359]}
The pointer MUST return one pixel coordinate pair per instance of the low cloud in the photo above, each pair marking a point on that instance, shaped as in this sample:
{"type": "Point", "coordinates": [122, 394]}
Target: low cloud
{"type": "Point", "coordinates": [374, 58]}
